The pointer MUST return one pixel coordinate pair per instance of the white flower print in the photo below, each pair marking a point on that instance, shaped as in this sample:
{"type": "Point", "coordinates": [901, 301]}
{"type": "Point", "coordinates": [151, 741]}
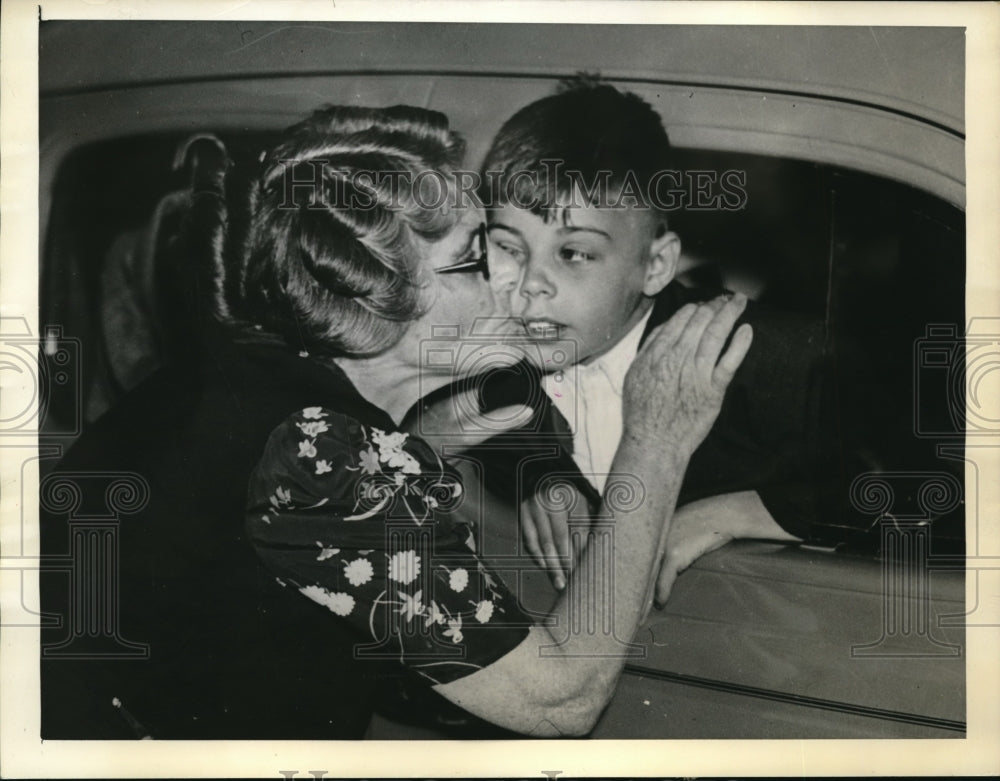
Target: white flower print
{"type": "Point", "coordinates": [491, 584]}
{"type": "Point", "coordinates": [323, 466]}
{"type": "Point", "coordinates": [412, 606]}
{"type": "Point", "coordinates": [404, 567]}
{"type": "Point", "coordinates": [410, 465]}
{"type": "Point", "coordinates": [307, 449]}
{"type": "Point", "coordinates": [281, 497]}
{"type": "Point", "coordinates": [454, 630]}
{"type": "Point", "coordinates": [326, 553]}
{"type": "Point", "coordinates": [458, 579]}
{"type": "Point", "coordinates": [369, 461]}
{"type": "Point", "coordinates": [313, 428]}
{"type": "Point", "coordinates": [398, 479]}
{"type": "Point", "coordinates": [388, 443]}
{"type": "Point", "coordinates": [358, 572]}
{"type": "Point", "coordinates": [338, 602]}
{"type": "Point", "coordinates": [313, 413]}
{"type": "Point", "coordinates": [484, 611]}
{"type": "Point", "coordinates": [397, 459]}
{"type": "Point", "coordinates": [430, 501]}
{"type": "Point", "coordinates": [341, 604]}
{"type": "Point", "coordinates": [434, 615]}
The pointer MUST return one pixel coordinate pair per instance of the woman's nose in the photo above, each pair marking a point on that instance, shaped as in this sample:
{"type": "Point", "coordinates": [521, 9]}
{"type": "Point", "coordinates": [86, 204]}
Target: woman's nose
{"type": "Point", "coordinates": [505, 272]}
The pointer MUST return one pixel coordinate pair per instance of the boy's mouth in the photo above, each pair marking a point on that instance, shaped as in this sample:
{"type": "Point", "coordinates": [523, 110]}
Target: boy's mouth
{"type": "Point", "coordinates": [543, 329]}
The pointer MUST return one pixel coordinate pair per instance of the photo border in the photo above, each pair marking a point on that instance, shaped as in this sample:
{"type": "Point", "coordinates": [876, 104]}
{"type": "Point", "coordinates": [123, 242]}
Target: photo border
{"type": "Point", "coordinates": [23, 755]}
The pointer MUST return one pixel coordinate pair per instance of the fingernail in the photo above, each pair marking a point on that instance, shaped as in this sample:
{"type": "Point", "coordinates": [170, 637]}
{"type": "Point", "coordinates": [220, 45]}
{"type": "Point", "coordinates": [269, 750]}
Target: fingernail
{"type": "Point", "coordinates": [560, 582]}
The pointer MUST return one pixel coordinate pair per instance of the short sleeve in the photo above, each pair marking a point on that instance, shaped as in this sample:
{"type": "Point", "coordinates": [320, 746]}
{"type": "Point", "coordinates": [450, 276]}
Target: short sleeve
{"type": "Point", "coordinates": [360, 521]}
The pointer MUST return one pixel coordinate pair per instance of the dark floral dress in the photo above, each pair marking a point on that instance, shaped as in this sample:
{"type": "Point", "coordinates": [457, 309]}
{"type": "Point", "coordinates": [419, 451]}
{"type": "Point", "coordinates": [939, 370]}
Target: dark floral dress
{"type": "Point", "coordinates": [362, 521]}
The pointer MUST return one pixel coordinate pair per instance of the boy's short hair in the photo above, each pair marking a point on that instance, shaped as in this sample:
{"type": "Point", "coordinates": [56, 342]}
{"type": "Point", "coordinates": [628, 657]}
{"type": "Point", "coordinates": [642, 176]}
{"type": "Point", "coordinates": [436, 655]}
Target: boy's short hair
{"type": "Point", "coordinates": [589, 133]}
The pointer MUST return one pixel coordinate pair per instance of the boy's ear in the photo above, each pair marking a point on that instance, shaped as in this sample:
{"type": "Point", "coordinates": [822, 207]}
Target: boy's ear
{"type": "Point", "coordinates": [664, 255]}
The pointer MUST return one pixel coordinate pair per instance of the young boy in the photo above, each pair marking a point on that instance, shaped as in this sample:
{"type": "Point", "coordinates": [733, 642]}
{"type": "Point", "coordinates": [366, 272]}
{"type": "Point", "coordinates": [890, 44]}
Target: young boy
{"type": "Point", "coordinates": [581, 243]}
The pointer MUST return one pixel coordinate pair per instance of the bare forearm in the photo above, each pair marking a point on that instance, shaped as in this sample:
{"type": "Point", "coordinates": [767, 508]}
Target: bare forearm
{"type": "Point", "coordinates": [618, 564]}
{"type": "Point", "coordinates": [558, 680]}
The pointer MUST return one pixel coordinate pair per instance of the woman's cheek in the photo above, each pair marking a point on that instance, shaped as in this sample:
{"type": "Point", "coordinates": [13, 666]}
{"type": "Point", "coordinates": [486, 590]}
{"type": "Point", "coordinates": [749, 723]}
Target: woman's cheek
{"type": "Point", "coordinates": [503, 290]}
{"type": "Point", "coordinates": [505, 272]}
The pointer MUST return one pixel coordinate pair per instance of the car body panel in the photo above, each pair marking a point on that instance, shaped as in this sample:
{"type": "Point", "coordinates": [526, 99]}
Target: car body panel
{"type": "Point", "coordinates": [895, 107]}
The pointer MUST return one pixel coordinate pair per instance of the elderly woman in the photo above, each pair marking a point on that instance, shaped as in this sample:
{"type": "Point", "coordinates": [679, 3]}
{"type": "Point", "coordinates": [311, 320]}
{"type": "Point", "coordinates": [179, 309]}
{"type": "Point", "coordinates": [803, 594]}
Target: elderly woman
{"type": "Point", "coordinates": [362, 257]}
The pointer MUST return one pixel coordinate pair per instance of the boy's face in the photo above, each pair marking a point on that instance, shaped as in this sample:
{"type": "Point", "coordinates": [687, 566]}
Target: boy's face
{"type": "Point", "coordinates": [585, 276]}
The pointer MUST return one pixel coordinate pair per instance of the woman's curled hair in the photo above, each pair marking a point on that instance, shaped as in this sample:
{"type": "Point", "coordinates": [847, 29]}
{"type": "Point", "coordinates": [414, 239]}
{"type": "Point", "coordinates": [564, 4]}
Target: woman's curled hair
{"type": "Point", "coordinates": [330, 248]}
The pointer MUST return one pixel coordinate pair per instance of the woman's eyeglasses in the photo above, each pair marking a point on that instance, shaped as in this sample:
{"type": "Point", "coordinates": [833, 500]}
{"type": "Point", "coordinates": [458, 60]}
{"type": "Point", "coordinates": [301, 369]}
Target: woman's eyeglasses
{"type": "Point", "coordinates": [475, 264]}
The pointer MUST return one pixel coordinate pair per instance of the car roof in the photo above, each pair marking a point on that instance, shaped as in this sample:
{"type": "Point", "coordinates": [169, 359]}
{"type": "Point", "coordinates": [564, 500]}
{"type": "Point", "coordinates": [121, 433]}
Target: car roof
{"type": "Point", "coordinates": [889, 101]}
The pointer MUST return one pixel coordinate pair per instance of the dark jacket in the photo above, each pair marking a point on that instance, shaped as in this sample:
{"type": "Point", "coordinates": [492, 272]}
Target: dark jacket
{"type": "Point", "coordinates": [199, 641]}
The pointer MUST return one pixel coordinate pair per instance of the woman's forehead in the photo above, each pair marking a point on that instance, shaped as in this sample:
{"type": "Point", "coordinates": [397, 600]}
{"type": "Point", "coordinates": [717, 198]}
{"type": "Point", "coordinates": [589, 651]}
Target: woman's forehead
{"type": "Point", "coordinates": [465, 218]}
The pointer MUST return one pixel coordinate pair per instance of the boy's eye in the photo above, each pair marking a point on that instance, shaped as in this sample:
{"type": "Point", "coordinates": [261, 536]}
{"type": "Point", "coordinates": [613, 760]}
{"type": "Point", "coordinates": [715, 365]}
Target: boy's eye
{"type": "Point", "coordinates": [574, 255]}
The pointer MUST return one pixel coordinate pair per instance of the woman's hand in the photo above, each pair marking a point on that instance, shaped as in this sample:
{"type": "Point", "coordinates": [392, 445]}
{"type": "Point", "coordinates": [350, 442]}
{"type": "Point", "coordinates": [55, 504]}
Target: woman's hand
{"type": "Point", "coordinates": [703, 526]}
{"type": "Point", "coordinates": [672, 396]}
{"type": "Point", "coordinates": [675, 387]}
{"type": "Point", "coordinates": [457, 422]}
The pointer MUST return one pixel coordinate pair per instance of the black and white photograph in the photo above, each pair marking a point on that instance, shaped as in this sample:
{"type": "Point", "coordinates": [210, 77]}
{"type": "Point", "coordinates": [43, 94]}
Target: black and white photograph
{"type": "Point", "coordinates": [601, 374]}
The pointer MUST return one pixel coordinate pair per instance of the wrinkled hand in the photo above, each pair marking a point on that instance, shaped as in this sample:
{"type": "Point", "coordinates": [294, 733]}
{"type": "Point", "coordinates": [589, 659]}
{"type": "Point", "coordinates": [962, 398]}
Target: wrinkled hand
{"type": "Point", "coordinates": [675, 387]}
{"type": "Point", "coordinates": [547, 535]}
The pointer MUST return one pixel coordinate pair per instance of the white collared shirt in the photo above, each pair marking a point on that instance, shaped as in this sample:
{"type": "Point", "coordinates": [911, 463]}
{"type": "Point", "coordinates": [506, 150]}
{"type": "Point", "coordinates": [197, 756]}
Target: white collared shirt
{"type": "Point", "coordinates": [589, 396]}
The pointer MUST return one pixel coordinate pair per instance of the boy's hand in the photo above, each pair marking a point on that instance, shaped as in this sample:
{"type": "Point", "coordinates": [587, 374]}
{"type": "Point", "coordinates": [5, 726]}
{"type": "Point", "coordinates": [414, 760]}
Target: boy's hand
{"type": "Point", "coordinates": [675, 386]}
{"type": "Point", "coordinates": [703, 526]}
{"type": "Point", "coordinates": [547, 536]}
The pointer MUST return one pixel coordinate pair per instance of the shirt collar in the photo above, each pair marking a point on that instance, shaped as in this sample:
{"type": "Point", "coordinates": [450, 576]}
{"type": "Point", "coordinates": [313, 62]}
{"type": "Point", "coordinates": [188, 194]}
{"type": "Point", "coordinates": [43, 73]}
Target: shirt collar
{"type": "Point", "coordinates": [615, 362]}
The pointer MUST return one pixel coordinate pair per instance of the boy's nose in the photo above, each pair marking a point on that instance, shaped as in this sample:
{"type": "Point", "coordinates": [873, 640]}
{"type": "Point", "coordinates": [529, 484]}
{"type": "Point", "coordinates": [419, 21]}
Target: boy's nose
{"type": "Point", "coordinates": [534, 282]}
